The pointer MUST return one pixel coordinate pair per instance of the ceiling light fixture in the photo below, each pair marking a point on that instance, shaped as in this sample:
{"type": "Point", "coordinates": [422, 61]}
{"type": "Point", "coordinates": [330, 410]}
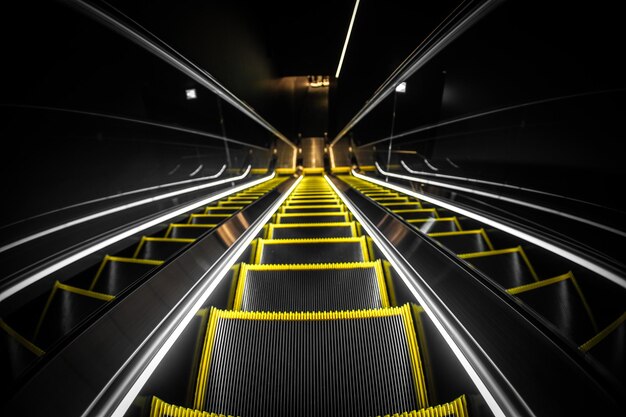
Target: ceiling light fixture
{"type": "Point", "coordinates": [345, 44]}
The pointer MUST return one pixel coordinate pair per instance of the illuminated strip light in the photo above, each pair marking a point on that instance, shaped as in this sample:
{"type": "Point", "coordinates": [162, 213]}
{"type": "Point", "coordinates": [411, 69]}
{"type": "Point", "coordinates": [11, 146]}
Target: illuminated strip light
{"type": "Point", "coordinates": [197, 170]}
{"type": "Point", "coordinates": [498, 184]}
{"type": "Point", "coordinates": [506, 199]}
{"type": "Point", "coordinates": [110, 197]}
{"type": "Point", "coordinates": [345, 44]}
{"type": "Point", "coordinates": [431, 166]}
{"type": "Point", "coordinates": [377, 237]}
{"type": "Point", "coordinates": [118, 209]}
{"type": "Point", "coordinates": [193, 305]}
{"type": "Point", "coordinates": [85, 252]}
{"type": "Point", "coordinates": [606, 273]}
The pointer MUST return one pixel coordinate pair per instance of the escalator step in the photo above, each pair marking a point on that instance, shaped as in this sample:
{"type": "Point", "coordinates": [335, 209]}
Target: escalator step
{"type": "Point", "coordinates": [607, 347]}
{"type": "Point", "coordinates": [234, 203]}
{"type": "Point", "coordinates": [319, 287]}
{"type": "Point", "coordinates": [387, 200]}
{"type": "Point", "coordinates": [117, 273]}
{"type": "Point", "coordinates": [350, 363]}
{"type": "Point", "coordinates": [508, 267]}
{"type": "Point", "coordinates": [560, 301]}
{"type": "Point", "coordinates": [330, 208]}
{"type": "Point", "coordinates": [16, 353]}
{"type": "Point", "coordinates": [312, 196]}
{"type": "Point", "coordinates": [312, 218]}
{"type": "Point", "coordinates": [66, 307]}
{"type": "Point", "coordinates": [415, 205]}
{"type": "Point", "coordinates": [222, 210]}
{"type": "Point", "coordinates": [409, 214]}
{"type": "Point", "coordinates": [438, 225]}
{"type": "Point", "coordinates": [466, 241]}
{"type": "Point", "coordinates": [309, 251]}
{"type": "Point", "coordinates": [188, 231]}
{"type": "Point", "coordinates": [159, 248]}
{"type": "Point", "coordinates": [311, 230]}
{"type": "Point", "coordinates": [456, 408]}
{"type": "Point", "coordinates": [208, 218]}
{"type": "Point", "coordinates": [159, 408]}
{"type": "Point", "coordinates": [309, 202]}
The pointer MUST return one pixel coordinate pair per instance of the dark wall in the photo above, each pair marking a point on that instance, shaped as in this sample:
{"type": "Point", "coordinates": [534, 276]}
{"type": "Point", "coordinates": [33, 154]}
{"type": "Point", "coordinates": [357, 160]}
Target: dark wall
{"type": "Point", "coordinates": [534, 94]}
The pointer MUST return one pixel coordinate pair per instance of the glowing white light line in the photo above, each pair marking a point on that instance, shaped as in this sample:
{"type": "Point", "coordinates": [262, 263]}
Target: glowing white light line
{"type": "Point", "coordinates": [194, 305]}
{"type": "Point", "coordinates": [345, 44]}
{"type": "Point", "coordinates": [600, 270]}
{"type": "Point", "coordinates": [118, 209]}
{"type": "Point", "coordinates": [197, 170]}
{"type": "Point", "coordinates": [482, 388]}
{"type": "Point", "coordinates": [110, 197]}
{"type": "Point", "coordinates": [507, 199]}
{"type": "Point", "coordinates": [431, 166]}
{"type": "Point", "coordinates": [88, 251]}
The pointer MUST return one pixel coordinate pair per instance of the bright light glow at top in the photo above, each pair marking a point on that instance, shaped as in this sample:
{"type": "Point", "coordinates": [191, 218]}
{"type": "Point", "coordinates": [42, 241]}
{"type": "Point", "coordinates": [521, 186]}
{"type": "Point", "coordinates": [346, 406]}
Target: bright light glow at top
{"type": "Point", "coordinates": [401, 88]}
{"type": "Point", "coordinates": [191, 93]}
{"type": "Point", "coordinates": [345, 44]}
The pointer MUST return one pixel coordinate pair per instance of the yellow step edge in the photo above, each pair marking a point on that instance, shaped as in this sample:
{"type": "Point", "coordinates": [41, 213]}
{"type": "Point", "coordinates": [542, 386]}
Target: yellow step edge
{"type": "Point", "coordinates": [403, 311]}
{"type": "Point", "coordinates": [21, 339]}
{"type": "Point", "coordinates": [313, 170]}
{"type": "Point", "coordinates": [173, 226]}
{"type": "Point", "coordinates": [456, 408]}
{"type": "Point", "coordinates": [273, 226]}
{"type": "Point", "coordinates": [377, 265]}
{"type": "Point", "coordinates": [279, 216]}
{"type": "Point", "coordinates": [145, 239]}
{"type": "Point", "coordinates": [207, 216]}
{"type": "Point", "coordinates": [339, 170]}
{"type": "Point", "coordinates": [69, 288]}
{"type": "Point", "coordinates": [340, 207]}
{"type": "Point", "coordinates": [496, 252]}
{"type": "Point", "coordinates": [159, 408]}
{"type": "Point", "coordinates": [438, 220]}
{"type": "Point", "coordinates": [283, 171]}
{"type": "Point", "coordinates": [550, 281]}
{"type": "Point", "coordinates": [109, 258]}
{"type": "Point", "coordinates": [591, 343]}
{"type": "Point", "coordinates": [261, 243]}
{"type": "Point", "coordinates": [480, 232]}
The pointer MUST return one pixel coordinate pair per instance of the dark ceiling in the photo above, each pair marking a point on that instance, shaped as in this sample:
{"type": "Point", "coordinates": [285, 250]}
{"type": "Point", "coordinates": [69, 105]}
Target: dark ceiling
{"type": "Point", "coordinates": [248, 46]}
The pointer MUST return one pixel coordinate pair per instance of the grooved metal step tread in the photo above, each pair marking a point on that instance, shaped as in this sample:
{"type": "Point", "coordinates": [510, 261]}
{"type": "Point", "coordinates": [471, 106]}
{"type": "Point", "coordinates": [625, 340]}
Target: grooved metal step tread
{"type": "Point", "coordinates": [311, 287]}
{"type": "Point", "coordinates": [331, 208]}
{"type": "Point", "coordinates": [311, 230]}
{"type": "Point", "coordinates": [282, 218]}
{"type": "Point", "coordinates": [456, 408]}
{"type": "Point", "coordinates": [298, 251]}
{"type": "Point", "coordinates": [361, 363]}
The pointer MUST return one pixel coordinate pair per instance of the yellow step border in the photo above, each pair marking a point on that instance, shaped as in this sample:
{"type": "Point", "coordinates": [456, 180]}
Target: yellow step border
{"type": "Point", "coordinates": [109, 258]}
{"type": "Point", "coordinates": [591, 343]}
{"type": "Point", "coordinates": [159, 408]}
{"type": "Point", "coordinates": [58, 286]}
{"type": "Point", "coordinates": [480, 232]}
{"type": "Point", "coordinates": [280, 216]}
{"type": "Point", "coordinates": [274, 226]}
{"type": "Point", "coordinates": [456, 408]}
{"type": "Point", "coordinates": [377, 265]}
{"type": "Point", "coordinates": [261, 243]}
{"type": "Point", "coordinates": [27, 344]}
{"type": "Point", "coordinates": [496, 252]}
{"type": "Point", "coordinates": [145, 239]}
{"type": "Point", "coordinates": [403, 311]}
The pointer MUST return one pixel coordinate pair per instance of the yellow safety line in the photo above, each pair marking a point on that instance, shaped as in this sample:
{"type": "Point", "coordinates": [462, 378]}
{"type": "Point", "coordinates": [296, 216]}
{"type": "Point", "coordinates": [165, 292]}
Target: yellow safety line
{"type": "Point", "coordinates": [456, 408]}
{"type": "Point", "coordinates": [262, 242]}
{"type": "Point", "coordinates": [382, 288]}
{"type": "Point", "coordinates": [109, 258]}
{"type": "Point", "coordinates": [160, 239]}
{"type": "Point", "coordinates": [591, 343]}
{"type": "Point", "coordinates": [241, 283]}
{"type": "Point", "coordinates": [540, 284]}
{"type": "Point", "coordinates": [389, 281]}
{"type": "Point", "coordinates": [273, 226]}
{"type": "Point", "coordinates": [64, 287]}
{"type": "Point", "coordinates": [21, 339]}
{"type": "Point", "coordinates": [416, 364]}
{"type": "Point", "coordinates": [495, 252]}
{"type": "Point", "coordinates": [207, 350]}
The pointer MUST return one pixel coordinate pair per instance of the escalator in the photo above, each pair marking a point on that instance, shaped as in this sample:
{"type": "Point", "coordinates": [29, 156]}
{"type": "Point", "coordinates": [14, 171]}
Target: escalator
{"type": "Point", "coordinates": [311, 328]}
{"type": "Point", "coordinates": [36, 327]}
{"type": "Point", "coordinates": [588, 312]}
